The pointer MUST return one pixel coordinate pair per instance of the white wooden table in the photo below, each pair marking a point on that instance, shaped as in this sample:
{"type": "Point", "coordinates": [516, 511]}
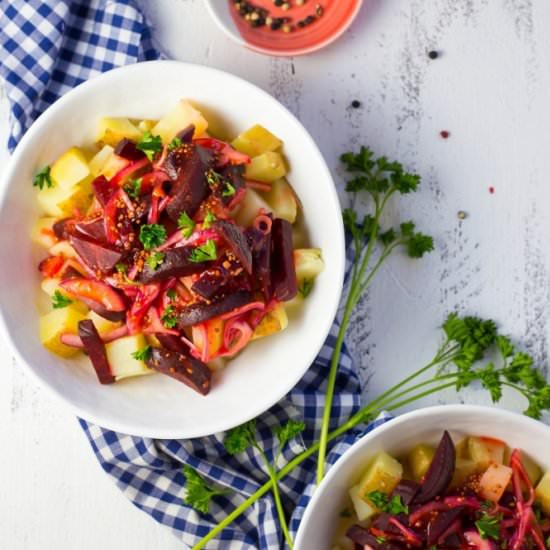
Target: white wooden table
{"type": "Point", "coordinates": [489, 89]}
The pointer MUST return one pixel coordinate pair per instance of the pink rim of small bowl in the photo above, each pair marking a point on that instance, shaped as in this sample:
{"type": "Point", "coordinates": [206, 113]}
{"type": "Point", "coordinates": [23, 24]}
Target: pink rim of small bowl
{"type": "Point", "coordinates": [234, 35]}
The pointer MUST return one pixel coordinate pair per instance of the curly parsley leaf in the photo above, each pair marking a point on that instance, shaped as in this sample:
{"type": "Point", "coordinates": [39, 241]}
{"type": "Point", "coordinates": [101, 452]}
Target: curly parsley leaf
{"type": "Point", "coordinates": [198, 494]}
{"type": "Point", "coordinates": [43, 178]}
{"type": "Point", "coordinates": [169, 318]}
{"type": "Point", "coordinates": [133, 188]}
{"type": "Point", "coordinates": [305, 287]}
{"type": "Point", "coordinates": [60, 300]}
{"type": "Point", "coordinates": [241, 438]}
{"type": "Point", "coordinates": [228, 189]}
{"type": "Point", "coordinates": [154, 260]}
{"type": "Point", "coordinates": [383, 502]}
{"type": "Point", "coordinates": [204, 253]}
{"type": "Point", "coordinates": [175, 143]}
{"type": "Point", "coordinates": [149, 144]}
{"type": "Point", "coordinates": [186, 224]}
{"type": "Point", "coordinates": [143, 354]}
{"type": "Point", "coordinates": [488, 526]}
{"type": "Point", "coordinates": [152, 235]}
{"type": "Point", "coordinates": [288, 431]}
{"type": "Point", "coordinates": [209, 219]}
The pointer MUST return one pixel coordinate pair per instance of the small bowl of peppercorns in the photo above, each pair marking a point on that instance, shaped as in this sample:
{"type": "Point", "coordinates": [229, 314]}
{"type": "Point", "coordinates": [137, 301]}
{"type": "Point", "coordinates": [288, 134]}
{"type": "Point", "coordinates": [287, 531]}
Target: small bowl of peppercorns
{"type": "Point", "coordinates": [283, 27]}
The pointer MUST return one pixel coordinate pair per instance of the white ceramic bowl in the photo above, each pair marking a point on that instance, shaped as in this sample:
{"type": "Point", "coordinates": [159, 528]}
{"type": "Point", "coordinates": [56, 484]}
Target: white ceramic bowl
{"type": "Point", "coordinates": [321, 517]}
{"type": "Point", "coordinates": [157, 406]}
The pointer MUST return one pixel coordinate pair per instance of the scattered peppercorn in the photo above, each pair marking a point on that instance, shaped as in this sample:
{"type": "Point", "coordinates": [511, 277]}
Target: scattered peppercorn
{"type": "Point", "coordinates": [319, 10]}
{"type": "Point", "coordinates": [491, 189]}
{"type": "Point", "coordinates": [433, 54]}
{"type": "Point", "coordinates": [444, 134]}
{"type": "Point", "coordinates": [356, 104]}
{"type": "Point", "coordinates": [461, 215]}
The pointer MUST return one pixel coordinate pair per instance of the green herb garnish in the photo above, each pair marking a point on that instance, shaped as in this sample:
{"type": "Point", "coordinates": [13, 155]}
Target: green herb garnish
{"type": "Point", "coordinates": [305, 287]}
{"type": "Point", "coordinates": [43, 178]}
{"type": "Point", "coordinates": [133, 188]}
{"type": "Point", "coordinates": [60, 300]}
{"type": "Point", "coordinates": [143, 354]}
{"type": "Point", "coordinates": [213, 178]}
{"type": "Point", "coordinates": [186, 224]}
{"type": "Point", "coordinates": [209, 219]}
{"type": "Point", "coordinates": [154, 260]}
{"type": "Point", "coordinates": [198, 492]}
{"type": "Point", "coordinates": [204, 253]}
{"type": "Point", "coordinates": [169, 318]}
{"type": "Point", "coordinates": [228, 190]}
{"type": "Point", "coordinates": [488, 526]}
{"type": "Point", "coordinates": [121, 268]}
{"type": "Point", "coordinates": [175, 143]}
{"type": "Point", "coordinates": [171, 293]}
{"type": "Point", "coordinates": [392, 506]}
{"type": "Point", "coordinates": [149, 144]}
{"type": "Point", "coordinates": [152, 235]}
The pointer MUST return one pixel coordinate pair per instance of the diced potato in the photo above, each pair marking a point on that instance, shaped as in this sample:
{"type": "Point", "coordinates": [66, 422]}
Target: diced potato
{"type": "Point", "coordinates": [266, 167]}
{"type": "Point", "coordinates": [496, 449]}
{"type": "Point", "coordinates": [99, 160]}
{"type": "Point", "coordinates": [111, 130]}
{"type": "Point", "coordinates": [113, 165]}
{"type": "Point", "coordinates": [59, 202]}
{"type": "Point", "coordinates": [531, 467]}
{"type": "Point", "coordinates": [363, 509]}
{"type": "Point", "coordinates": [383, 474]}
{"type": "Point", "coordinates": [275, 321]}
{"type": "Point", "coordinates": [181, 116]}
{"type": "Point", "coordinates": [464, 468]}
{"type": "Point", "coordinates": [420, 459]}
{"type": "Point", "coordinates": [214, 336]}
{"type": "Point", "coordinates": [54, 324]}
{"type": "Point", "coordinates": [479, 453]}
{"type": "Point", "coordinates": [119, 355]}
{"type": "Point", "coordinates": [494, 481]}
{"type": "Point", "coordinates": [42, 232]}
{"type": "Point", "coordinates": [282, 199]}
{"type": "Point", "coordinates": [49, 286]}
{"type": "Point", "coordinates": [308, 262]}
{"type": "Point", "coordinates": [63, 248]}
{"type": "Point", "coordinates": [70, 168]}
{"type": "Point", "coordinates": [542, 493]}
{"type": "Point", "coordinates": [255, 141]}
{"type": "Point", "coordinates": [461, 448]}
{"type": "Point", "coordinates": [101, 324]}
{"type": "Point", "coordinates": [250, 207]}
{"type": "Point", "coordinates": [146, 125]}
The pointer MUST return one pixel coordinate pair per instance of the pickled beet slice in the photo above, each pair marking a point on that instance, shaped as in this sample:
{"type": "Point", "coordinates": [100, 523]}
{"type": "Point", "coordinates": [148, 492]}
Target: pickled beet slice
{"type": "Point", "coordinates": [406, 489]}
{"type": "Point", "coordinates": [439, 474]}
{"type": "Point", "coordinates": [176, 263]}
{"type": "Point", "coordinates": [186, 135]}
{"type": "Point", "coordinates": [187, 167]}
{"type": "Point", "coordinates": [441, 523]}
{"type": "Point", "coordinates": [62, 228]}
{"type": "Point", "coordinates": [172, 343]}
{"type": "Point", "coordinates": [95, 348]}
{"type": "Point", "coordinates": [127, 149]}
{"type": "Point", "coordinates": [103, 190]}
{"type": "Point", "coordinates": [182, 367]}
{"type": "Point", "coordinates": [234, 175]}
{"type": "Point", "coordinates": [236, 240]}
{"type": "Point", "coordinates": [283, 271]}
{"type": "Point", "coordinates": [97, 256]}
{"type": "Point", "coordinates": [260, 244]}
{"type": "Point", "coordinates": [364, 539]}
{"type": "Point", "coordinates": [197, 313]}
{"type": "Point", "coordinates": [210, 283]}
{"type": "Point", "coordinates": [94, 229]}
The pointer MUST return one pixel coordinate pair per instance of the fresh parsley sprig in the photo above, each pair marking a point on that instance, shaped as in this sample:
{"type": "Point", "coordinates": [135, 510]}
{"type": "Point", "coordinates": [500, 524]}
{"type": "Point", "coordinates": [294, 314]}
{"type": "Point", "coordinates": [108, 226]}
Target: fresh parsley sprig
{"type": "Point", "coordinates": [198, 494]}
{"type": "Point", "coordinates": [154, 260]}
{"type": "Point", "coordinates": [206, 252]}
{"type": "Point", "coordinates": [43, 178]}
{"type": "Point", "coordinates": [244, 437]}
{"type": "Point", "coordinates": [152, 235]}
{"type": "Point", "coordinates": [186, 224]}
{"type": "Point", "coordinates": [380, 179]}
{"type": "Point", "coordinates": [149, 144]}
{"type": "Point", "coordinates": [143, 354]}
{"type": "Point", "coordinates": [488, 526]}
{"type": "Point", "coordinates": [59, 300]}
{"type": "Point", "coordinates": [384, 503]}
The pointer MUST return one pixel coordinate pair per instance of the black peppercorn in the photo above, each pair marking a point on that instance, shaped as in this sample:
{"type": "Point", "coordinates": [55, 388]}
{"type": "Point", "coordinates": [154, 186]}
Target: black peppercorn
{"type": "Point", "coordinates": [433, 54]}
{"type": "Point", "coordinates": [356, 104]}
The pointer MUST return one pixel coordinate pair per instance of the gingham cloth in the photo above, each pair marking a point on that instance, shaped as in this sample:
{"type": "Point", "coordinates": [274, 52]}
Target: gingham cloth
{"type": "Point", "coordinates": [47, 48]}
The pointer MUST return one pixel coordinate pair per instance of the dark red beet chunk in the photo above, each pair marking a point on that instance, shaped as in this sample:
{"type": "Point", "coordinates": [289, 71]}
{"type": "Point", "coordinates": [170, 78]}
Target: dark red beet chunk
{"type": "Point", "coordinates": [363, 539]}
{"type": "Point", "coordinates": [260, 244]}
{"type": "Point", "coordinates": [236, 240]}
{"type": "Point", "coordinates": [173, 343]}
{"type": "Point", "coordinates": [441, 523]}
{"type": "Point", "coordinates": [197, 313]}
{"type": "Point", "coordinates": [127, 149]}
{"type": "Point", "coordinates": [186, 369]}
{"type": "Point", "coordinates": [176, 263]}
{"type": "Point", "coordinates": [103, 189]}
{"type": "Point", "coordinates": [187, 167]}
{"type": "Point", "coordinates": [95, 348]}
{"type": "Point", "coordinates": [210, 283]}
{"type": "Point", "coordinates": [439, 474]}
{"type": "Point", "coordinates": [186, 135]}
{"type": "Point", "coordinates": [61, 228]}
{"type": "Point", "coordinates": [97, 256]}
{"type": "Point", "coordinates": [232, 174]}
{"type": "Point", "coordinates": [283, 271]}
{"type": "Point", "coordinates": [94, 229]}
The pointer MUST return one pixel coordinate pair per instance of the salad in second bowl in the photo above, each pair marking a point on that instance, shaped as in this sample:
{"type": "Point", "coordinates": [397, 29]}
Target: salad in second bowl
{"type": "Point", "coordinates": [475, 494]}
{"type": "Point", "coordinates": [169, 250]}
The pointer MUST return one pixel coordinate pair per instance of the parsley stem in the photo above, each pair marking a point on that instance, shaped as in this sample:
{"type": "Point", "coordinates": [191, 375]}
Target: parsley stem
{"type": "Point", "coordinates": [278, 504]}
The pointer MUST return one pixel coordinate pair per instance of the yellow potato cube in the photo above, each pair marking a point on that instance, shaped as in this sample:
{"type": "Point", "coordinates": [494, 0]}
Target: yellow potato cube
{"type": "Point", "coordinates": [101, 324]}
{"type": "Point", "coordinates": [181, 116]}
{"type": "Point", "coordinates": [113, 165]}
{"type": "Point", "coordinates": [50, 286]}
{"type": "Point", "coordinates": [309, 263]}
{"type": "Point", "coordinates": [42, 232]}
{"type": "Point", "coordinates": [70, 168]}
{"type": "Point", "coordinates": [112, 129]}
{"type": "Point", "coordinates": [464, 468]}
{"type": "Point", "coordinates": [255, 141]}
{"type": "Point", "coordinates": [63, 248]}
{"type": "Point", "coordinates": [121, 360]}
{"type": "Point", "coordinates": [275, 321]}
{"type": "Point", "coordinates": [420, 459]}
{"type": "Point", "coordinates": [479, 453]}
{"type": "Point", "coordinates": [250, 208]}
{"type": "Point", "coordinates": [494, 481]}
{"type": "Point", "coordinates": [531, 467]}
{"type": "Point", "coordinates": [383, 474]}
{"type": "Point", "coordinates": [146, 125]}
{"type": "Point", "coordinates": [267, 167]}
{"type": "Point", "coordinates": [59, 202]}
{"type": "Point", "coordinates": [542, 493]}
{"type": "Point", "coordinates": [363, 508]}
{"type": "Point", "coordinates": [54, 324]}
{"type": "Point", "coordinates": [99, 160]}
{"type": "Point", "coordinates": [282, 199]}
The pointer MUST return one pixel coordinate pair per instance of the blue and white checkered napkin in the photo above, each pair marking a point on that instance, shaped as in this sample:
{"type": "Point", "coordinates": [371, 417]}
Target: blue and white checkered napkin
{"type": "Point", "coordinates": [47, 48]}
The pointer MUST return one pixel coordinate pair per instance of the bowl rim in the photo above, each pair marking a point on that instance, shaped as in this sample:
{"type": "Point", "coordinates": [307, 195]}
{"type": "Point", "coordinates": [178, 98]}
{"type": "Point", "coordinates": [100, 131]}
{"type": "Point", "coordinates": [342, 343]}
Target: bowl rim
{"type": "Point", "coordinates": [332, 309]}
{"type": "Point", "coordinates": [238, 39]}
{"type": "Point", "coordinates": [436, 411]}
